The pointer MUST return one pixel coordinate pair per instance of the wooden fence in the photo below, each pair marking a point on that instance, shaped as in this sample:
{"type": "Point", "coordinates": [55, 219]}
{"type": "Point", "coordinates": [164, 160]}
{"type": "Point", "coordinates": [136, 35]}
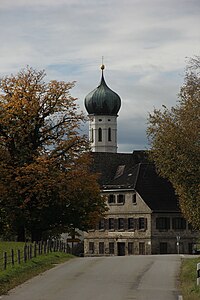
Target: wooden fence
{"type": "Point", "coordinates": [30, 251]}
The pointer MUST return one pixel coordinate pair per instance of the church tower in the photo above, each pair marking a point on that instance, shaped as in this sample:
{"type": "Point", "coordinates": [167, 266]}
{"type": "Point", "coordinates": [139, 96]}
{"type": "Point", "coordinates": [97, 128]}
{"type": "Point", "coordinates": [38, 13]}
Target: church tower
{"type": "Point", "coordinates": [102, 105]}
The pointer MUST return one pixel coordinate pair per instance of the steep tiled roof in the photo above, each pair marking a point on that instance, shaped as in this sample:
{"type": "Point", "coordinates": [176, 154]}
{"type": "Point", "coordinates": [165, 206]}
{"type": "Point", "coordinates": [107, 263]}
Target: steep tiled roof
{"type": "Point", "coordinates": [134, 171]}
{"type": "Point", "coordinates": [156, 191]}
{"type": "Point", "coordinates": [107, 164]}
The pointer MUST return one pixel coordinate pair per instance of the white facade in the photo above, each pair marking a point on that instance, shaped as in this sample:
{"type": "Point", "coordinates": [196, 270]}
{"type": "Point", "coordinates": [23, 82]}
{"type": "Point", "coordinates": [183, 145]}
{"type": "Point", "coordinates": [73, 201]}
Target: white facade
{"type": "Point", "coordinates": [103, 133]}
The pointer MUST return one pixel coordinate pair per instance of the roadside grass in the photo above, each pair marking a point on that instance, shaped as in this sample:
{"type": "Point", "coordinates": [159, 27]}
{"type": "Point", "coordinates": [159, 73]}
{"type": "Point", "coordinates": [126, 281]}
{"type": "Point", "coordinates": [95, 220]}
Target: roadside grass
{"type": "Point", "coordinates": [19, 273]}
{"type": "Point", "coordinates": [7, 246]}
{"type": "Point", "coordinates": [188, 279]}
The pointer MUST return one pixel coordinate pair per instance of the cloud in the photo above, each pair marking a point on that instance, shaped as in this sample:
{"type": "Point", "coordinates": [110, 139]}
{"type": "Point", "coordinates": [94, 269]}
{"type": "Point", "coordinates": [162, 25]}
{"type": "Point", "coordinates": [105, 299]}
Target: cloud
{"type": "Point", "coordinates": [144, 43]}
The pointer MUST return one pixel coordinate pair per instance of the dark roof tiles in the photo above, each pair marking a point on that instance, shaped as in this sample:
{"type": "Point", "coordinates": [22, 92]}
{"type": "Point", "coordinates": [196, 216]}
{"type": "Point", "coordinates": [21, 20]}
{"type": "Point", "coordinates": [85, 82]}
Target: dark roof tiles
{"type": "Point", "coordinates": [134, 171]}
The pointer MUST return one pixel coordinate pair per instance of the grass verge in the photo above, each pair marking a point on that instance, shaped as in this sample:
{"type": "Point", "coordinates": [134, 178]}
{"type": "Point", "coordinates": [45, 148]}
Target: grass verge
{"type": "Point", "coordinates": [14, 276]}
{"type": "Point", "coordinates": [188, 279]}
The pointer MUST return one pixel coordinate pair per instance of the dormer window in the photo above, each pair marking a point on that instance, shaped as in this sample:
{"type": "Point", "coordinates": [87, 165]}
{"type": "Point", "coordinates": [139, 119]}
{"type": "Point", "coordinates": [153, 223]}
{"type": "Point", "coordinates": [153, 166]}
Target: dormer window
{"type": "Point", "coordinates": [134, 200]}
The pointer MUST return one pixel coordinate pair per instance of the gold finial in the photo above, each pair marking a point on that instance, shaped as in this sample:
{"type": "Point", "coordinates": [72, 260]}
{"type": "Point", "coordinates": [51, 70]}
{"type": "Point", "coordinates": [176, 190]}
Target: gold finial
{"type": "Point", "coordinates": [102, 65]}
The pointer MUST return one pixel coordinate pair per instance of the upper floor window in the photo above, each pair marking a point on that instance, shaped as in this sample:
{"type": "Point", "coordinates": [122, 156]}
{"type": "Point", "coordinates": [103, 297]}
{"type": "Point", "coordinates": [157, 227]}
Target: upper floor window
{"type": "Point", "coordinates": [102, 224]}
{"type": "Point", "coordinates": [142, 223]}
{"type": "Point", "coordinates": [109, 134]}
{"type": "Point", "coordinates": [131, 223]}
{"type": "Point", "coordinates": [111, 199]}
{"type": "Point", "coordinates": [121, 223]}
{"type": "Point", "coordinates": [178, 223]}
{"type": "Point", "coordinates": [111, 223]}
{"type": "Point", "coordinates": [121, 198]}
{"type": "Point", "coordinates": [163, 223]}
{"type": "Point", "coordinates": [100, 134]}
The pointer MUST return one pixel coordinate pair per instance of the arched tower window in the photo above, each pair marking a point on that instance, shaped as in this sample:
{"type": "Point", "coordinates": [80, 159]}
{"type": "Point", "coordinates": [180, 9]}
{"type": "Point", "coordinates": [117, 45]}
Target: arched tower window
{"type": "Point", "coordinates": [92, 135]}
{"type": "Point", "coordinates": [100, 135]}
{"type": "Point", "coordinates": [109, 134]}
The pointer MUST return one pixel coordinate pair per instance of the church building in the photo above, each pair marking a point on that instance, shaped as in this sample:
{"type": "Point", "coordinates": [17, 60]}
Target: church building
{"type": "Point", "coordinates": [143, 216]}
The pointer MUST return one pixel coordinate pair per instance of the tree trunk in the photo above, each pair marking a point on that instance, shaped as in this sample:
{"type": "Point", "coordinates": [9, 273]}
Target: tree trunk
{"type": "Point", "coordinates": [21, 234]}
{"type": "Point", "coordinates": [36, 235]}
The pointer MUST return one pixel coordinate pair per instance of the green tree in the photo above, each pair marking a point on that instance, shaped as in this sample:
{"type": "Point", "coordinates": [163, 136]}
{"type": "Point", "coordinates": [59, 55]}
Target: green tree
{"type": "Point", "coordinates": [45, 178]}
{"type": "Point", "coordinates": [174, 136]}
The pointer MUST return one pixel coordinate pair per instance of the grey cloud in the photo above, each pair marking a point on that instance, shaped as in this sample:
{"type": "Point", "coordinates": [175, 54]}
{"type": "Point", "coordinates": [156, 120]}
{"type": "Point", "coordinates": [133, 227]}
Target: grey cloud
{"type": "Point", "coordinates": [144, 44]}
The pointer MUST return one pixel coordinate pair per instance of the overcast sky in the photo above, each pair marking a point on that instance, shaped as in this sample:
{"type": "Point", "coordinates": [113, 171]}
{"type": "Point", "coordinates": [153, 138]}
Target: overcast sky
{"type": "Point", "coordinates": [145, 44]}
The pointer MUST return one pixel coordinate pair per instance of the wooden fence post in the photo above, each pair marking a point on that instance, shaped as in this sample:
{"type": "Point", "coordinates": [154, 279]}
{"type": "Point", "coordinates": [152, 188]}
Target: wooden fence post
{"type": "Point", "coordinates": [12, 257]}
{"type": "Point", "coordinates": [35, 249]}
{"type": "Point", "coordinates": [18, 256]}
{"type": "Point", "coordinates": [25, 253]}
{"type": "Point", "coordinates": [31, 251]}
{"type": "Point", "coordinates": [5, 260]}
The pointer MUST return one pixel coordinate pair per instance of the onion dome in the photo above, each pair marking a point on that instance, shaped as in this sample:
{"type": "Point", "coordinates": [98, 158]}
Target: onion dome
{"type": "Point", "coordinates": [102, 100]}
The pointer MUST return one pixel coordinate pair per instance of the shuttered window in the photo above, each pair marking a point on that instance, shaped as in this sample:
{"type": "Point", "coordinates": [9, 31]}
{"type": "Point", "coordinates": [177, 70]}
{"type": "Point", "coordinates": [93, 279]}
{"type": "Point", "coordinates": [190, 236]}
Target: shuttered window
{"type": "Point", "coordinates": [102, 224]}
{"type": "Point", "coordinates": [101, 247]}
{"type": "Point", "coordinates": [111, 224]}
{"type": "Point", "coordinates": [121, 223]}
{"type": "Point", "coordinates": [163, 223]}
{"type": "Point", "coordinates": [111, 248]}
{"type": "Point", "coordinates": [121, 198]}
{"type": "Point", "coordinates": [178, 223]}
{"type": "Point", "coordinates": [142, 223]}
{"type": "Point", "coordinates": [91, 247]}
{"type": "Point", "coordinates": [111, 198]}
{"type": "Point", "coordinates": [131, 223]}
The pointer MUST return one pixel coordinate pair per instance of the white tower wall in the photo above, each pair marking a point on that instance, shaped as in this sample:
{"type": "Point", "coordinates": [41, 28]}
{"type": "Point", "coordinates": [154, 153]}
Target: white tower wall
{"type": "Point", "coordinates": [103, 133]}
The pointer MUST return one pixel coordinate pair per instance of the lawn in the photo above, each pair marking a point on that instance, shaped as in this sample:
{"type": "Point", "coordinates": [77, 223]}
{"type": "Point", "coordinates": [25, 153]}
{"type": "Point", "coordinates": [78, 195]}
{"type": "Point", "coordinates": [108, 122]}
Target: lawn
{"type": "Point", "coordinates": [188, 279]}
{"type": "Point", "coordinates": [6, 247]}
{"type": "Point", "coordinates": [19, 273]}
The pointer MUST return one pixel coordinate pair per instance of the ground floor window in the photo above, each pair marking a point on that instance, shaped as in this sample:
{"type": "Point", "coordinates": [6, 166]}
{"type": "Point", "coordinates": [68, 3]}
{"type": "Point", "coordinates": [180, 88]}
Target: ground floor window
{"type": "Point", "coordinates": [91, 247]}
{"type": "Point", "coordinates": [163, 248]}
{"type": "Point", "coordinates": [101, 247]}
{"type": "Point", "coordinates": [130, 248]}
{"type": "Point", "coordinates": [142, 248]}
{"type": "Point", "coordinates": [111, 248]}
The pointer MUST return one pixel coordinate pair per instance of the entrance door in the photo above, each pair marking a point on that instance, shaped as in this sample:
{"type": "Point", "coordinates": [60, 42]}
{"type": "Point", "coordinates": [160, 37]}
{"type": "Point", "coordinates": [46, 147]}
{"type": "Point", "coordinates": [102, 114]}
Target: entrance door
{"type": "Point", "coordinates": [121, 249]}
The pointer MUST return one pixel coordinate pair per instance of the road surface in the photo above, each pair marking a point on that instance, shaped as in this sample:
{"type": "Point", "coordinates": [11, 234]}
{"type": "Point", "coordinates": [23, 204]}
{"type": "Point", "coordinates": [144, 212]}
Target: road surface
{"type": "Point", "coordinates": [105, 278]}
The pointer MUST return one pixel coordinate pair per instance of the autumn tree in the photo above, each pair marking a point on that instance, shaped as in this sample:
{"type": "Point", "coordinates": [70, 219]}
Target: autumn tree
{"type": "Point", "coordinates": [45, 178]}
{"type": "Point", "coordinates": [174, 136]}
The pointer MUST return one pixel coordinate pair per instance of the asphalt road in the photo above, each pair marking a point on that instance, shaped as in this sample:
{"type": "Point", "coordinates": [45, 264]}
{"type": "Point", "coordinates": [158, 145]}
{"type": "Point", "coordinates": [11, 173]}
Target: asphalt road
{"type": "Point", "coordinates": [105, 278]}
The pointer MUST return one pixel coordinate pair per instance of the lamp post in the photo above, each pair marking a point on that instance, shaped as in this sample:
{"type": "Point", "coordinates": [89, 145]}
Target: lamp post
{"type": "Point", "coordinates": [178, 243]}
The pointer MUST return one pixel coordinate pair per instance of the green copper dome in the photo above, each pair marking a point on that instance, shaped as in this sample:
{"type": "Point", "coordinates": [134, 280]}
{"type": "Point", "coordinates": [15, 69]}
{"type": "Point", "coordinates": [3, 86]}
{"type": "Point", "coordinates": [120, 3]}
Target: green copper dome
{"type": "Point", "coordinates": [102, 100]}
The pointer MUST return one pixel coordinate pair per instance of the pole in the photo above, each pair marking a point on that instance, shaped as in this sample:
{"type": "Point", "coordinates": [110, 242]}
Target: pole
{"type": "Point", "coordinates": [198, 274]}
